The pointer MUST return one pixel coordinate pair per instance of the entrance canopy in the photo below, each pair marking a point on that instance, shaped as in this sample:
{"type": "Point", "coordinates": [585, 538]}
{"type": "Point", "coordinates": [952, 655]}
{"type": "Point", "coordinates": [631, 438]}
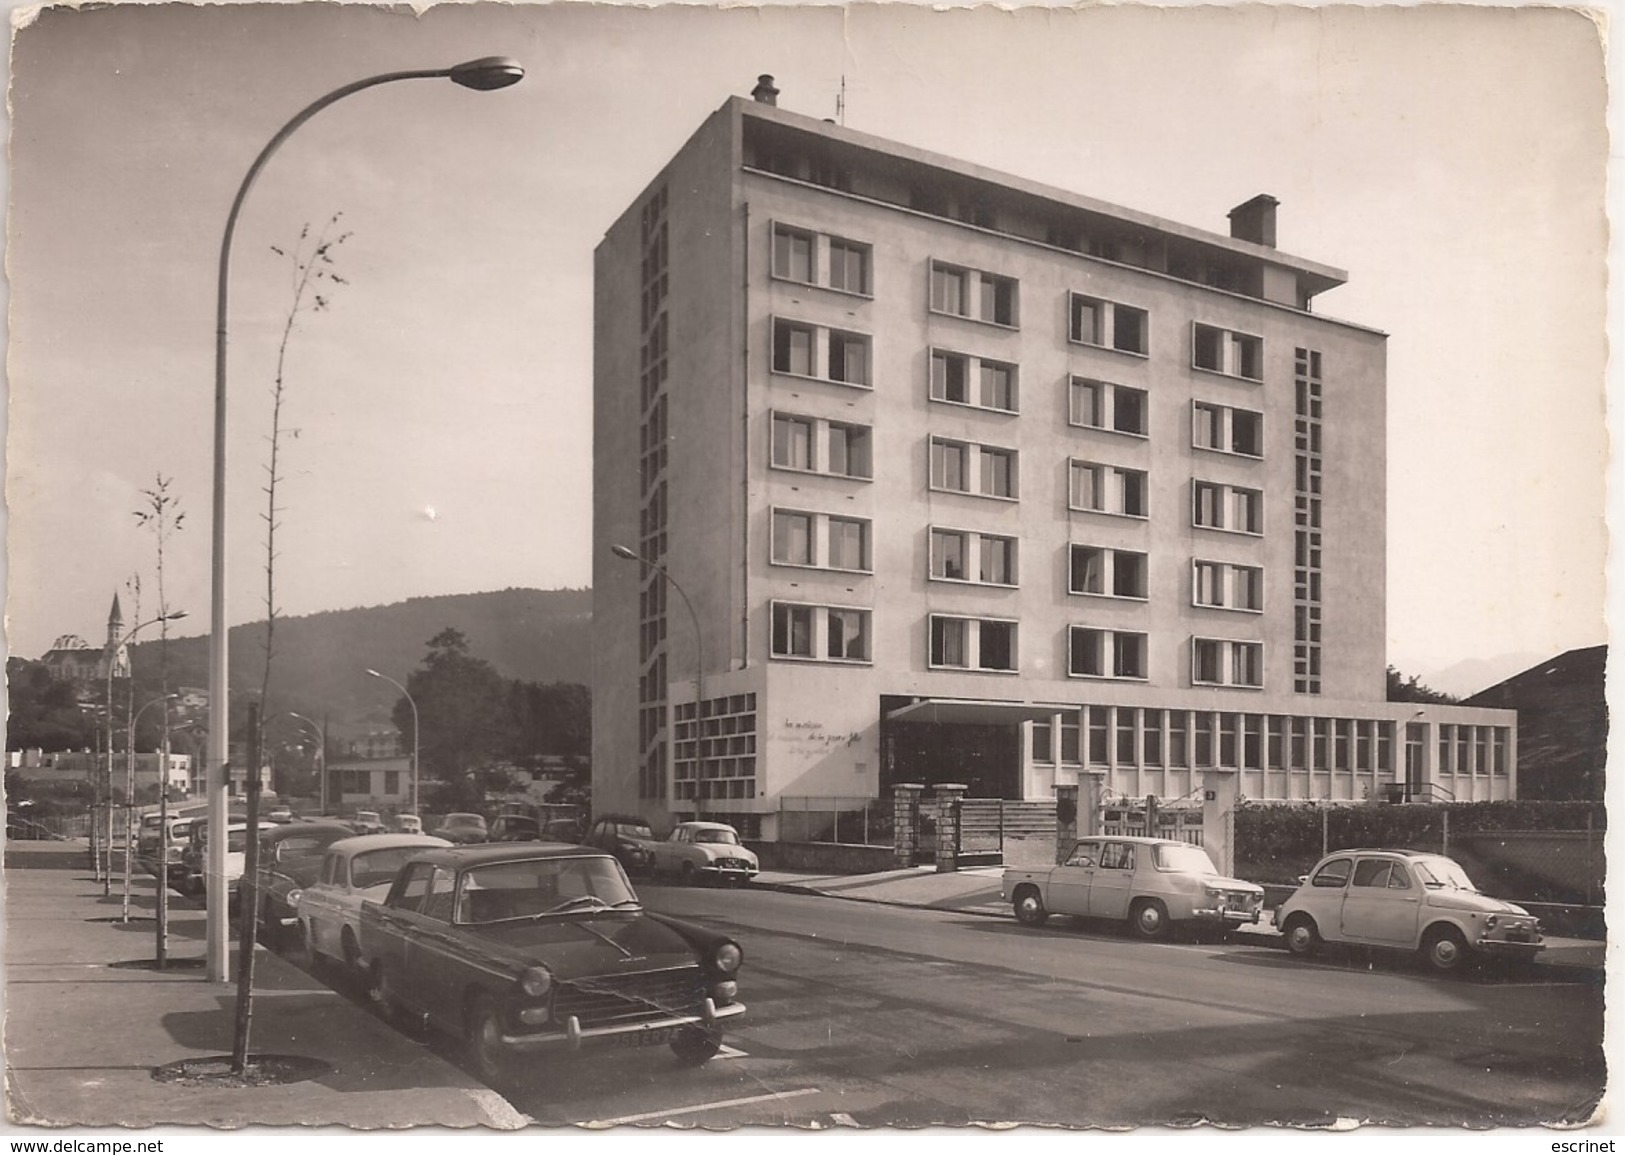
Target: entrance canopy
{"type": "Point", "coordinates": [974, 711]}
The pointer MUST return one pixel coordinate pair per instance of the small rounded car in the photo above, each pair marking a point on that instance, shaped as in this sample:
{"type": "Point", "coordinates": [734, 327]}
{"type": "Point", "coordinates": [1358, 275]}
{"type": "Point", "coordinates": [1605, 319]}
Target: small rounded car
{"type": "Point", "coordinates": [705, 851]}
{"type": "Point", "coordinates": [1154, 884]}
{"type": "Point", "coordinates": [1405, 900]}
{"type": "Point", "coordinates": [531, 948]}
{"type": "Point", "coordinates": [290, 859]}
{"type": "Point", "coordinates": [463, 828]}
{"type": "Point", "coordinates": [626, 836]}
{"type": "Point", "coordinates": [329, 909]}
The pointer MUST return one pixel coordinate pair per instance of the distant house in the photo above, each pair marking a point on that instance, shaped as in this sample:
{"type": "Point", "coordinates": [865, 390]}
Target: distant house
{"type": "Point", "coordinates": [1562, 724]}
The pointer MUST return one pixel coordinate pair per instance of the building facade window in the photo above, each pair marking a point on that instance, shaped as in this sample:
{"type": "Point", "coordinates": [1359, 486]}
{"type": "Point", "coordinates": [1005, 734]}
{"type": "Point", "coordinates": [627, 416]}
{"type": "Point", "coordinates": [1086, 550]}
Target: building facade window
{"type": "Point", "coordinates": [1222, 662]}
{"type": "Point", "coordinates": [1225, 351]}
{"type": "Point", "coordinates": [980, 470]}
{"type": "Point", "coordinates": [1100, 572]}
{"type": "Point", "coordinates": [814, 445]}
{"type": "Point", "coordinates": [1101, 653]}
{"type": "Point", "coordinates": [820, 540]}
{"type": "Point", "coordinates": [960, 643]}
{"type": "Point", "coordinates": [801, 349]}
{"type": "Point", "coordinates": [1227, 586]}
{"type": "Point", "coordinates": [961, 379]}
{"type": "Point", "coordinates": [1108, 325]}
{"type": "Point", "coordinates": [821, 633]}
{"type": "Point", "coordinates": [1224, 429]}
{"type": "Point", "coordinates": [963, 555]}
{"type": "Point", "coordinates": [1227, 507]}
{"type": "Point", "coordinates": [1096, 404]}
{"type": "Point", "coordinates": [1098, 488]}
{"type": "Point", "coordinates": [808, 257]}
{"type": "Point", "coordinates": [976, 295]}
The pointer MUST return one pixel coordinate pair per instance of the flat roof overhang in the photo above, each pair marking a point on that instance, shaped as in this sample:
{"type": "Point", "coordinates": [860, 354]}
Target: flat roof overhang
{"type": "Point", "coordinates": [970, 711]}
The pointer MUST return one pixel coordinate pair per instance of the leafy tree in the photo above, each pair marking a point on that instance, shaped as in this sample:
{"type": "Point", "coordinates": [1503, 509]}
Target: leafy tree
{"type": "Point", "coordinates": [1402, 689]}
{"type": "Point", "coordinates": [462, 708]}
{"type": "Point", "coordinates": [44, 713]}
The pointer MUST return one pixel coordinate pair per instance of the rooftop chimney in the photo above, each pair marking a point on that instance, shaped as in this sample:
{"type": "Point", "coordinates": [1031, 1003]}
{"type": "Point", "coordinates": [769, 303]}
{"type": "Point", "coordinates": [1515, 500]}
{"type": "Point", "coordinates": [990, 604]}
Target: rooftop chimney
{"type": "Point", "coordinates": [1255, 220]}
{"type": "Point", "coordinates": [764, 92]}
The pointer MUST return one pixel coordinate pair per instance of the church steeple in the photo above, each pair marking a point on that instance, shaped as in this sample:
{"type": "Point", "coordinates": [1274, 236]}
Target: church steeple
{"type": "Point", "coordinates": [115, 623]}
{"type": "Point", "coordinates": [117, 657]}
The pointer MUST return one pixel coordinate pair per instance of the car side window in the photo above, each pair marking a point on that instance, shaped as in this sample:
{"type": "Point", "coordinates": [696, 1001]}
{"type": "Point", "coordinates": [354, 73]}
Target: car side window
{"type": "Point", "coordinates": [1372, 872]}
{"type": "Point", "coordinates": [1117, 856]}
{"type": "Point", "coordinates": [1084, 854]}
{"type": "Point", "coordinates": [1333, 874]}
{"type": "Point", "coordinates": [330, 868]}
{"type": "Point", "coordinates": [1400, 879]}
{"type": "Point", "coordinates": [411, 887]}
{"type": "Point", "coordinates": [438, 905]}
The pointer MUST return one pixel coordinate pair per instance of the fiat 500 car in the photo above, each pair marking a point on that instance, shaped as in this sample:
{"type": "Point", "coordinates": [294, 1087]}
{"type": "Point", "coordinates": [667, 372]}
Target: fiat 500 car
{"type": "Point", "coordinates": [527, 949]}
{"type": "Point", "coordinates": [1405, 900]}
{"type": "Point", "coordinates": [1153, 884]}
{"type": "Point", "coordinates": [701, 851]}
{"type": "Point", "coordinates": [329, 910]}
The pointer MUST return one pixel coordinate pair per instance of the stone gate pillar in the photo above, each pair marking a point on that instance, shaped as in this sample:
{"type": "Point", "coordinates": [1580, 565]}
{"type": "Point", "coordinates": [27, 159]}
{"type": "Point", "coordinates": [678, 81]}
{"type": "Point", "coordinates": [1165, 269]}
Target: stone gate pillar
{"type": "Point", "coordinates": [906, 821]}
{"type": "Point", "coordinates": [950, 796]}
{"type": "Point", "coordinates": [1066, 821]}
{"type": "Point", "coordinates": [1220, 791]}
{"type": "Point", "coordinates": [1091, 789]}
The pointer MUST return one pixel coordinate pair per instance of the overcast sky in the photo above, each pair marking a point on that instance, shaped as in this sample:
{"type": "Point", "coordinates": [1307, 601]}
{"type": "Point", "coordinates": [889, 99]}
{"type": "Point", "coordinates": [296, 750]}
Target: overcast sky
{"type": "Point", "coordinates": [1451, 159]}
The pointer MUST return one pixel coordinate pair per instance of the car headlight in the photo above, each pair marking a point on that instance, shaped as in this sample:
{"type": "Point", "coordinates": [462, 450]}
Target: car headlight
{"type": "Point", "coordinates": [726, 957]}
{"type": "Point", "coordinates": [726, 991]}
{"type": "Point", "coordinates": [536, 981]}
{"type": "Point", "coordinates": [1491, 921]}
{"type": "Point", "coordinates": [293, 897]}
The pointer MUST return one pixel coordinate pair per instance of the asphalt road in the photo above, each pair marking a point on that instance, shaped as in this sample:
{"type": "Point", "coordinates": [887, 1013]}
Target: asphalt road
{"type": "Point", "coordinates": [868, 1015]}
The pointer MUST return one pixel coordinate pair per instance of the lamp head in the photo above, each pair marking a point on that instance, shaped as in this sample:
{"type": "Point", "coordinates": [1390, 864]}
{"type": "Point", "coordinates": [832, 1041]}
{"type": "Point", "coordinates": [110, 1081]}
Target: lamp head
{"type": "Point", "coordinates": [374, 673]}
{"type": "Point", "coordinates": [488, 73]}
{"type": "Point", "coordinates": [624, 552]}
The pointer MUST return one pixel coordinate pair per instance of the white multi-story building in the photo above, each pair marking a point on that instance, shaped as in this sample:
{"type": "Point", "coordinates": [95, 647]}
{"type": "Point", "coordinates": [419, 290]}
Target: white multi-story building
{"type": "Point", "coordinates": [964, 478]}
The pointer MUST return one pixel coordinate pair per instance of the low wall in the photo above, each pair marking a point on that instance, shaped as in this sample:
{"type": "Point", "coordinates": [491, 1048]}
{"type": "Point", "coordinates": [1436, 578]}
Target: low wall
{"type": "Point", "coordinates": [825, 857]}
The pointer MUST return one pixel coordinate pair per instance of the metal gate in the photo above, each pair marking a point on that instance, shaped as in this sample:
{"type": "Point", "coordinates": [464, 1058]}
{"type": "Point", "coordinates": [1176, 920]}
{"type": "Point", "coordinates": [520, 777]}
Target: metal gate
{"type": "Point", "coordinates": [1182, 825]}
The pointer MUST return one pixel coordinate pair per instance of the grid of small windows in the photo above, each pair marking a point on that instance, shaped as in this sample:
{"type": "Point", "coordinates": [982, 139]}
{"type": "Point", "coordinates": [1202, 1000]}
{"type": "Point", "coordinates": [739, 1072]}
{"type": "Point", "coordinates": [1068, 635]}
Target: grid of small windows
{"type": "Point", "coordinates": [652, 464]}
{"type": "Point", "coordinates": [714, 756]}
{"type": "Point", "coordinates": [1306, 579]}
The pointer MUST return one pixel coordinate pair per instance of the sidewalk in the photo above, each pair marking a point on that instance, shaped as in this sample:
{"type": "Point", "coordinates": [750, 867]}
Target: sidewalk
{"type": "Point", "coordinates": [88, 1019]}
{"type": "Point", "coordinates": [976, 891]}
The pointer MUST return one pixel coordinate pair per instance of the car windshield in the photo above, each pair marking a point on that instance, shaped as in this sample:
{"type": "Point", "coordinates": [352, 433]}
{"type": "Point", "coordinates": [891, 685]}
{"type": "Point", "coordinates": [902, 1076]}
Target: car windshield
{"type": "Point", "coordinates": [372, 867]}
{"type": "Point", "coordinates": [464, 820]}
{"type": "Point", "coordinates": [724, 837]}
{"type": "Point", "coordinates": [1186, 858]}
{"type": "Point", "coordinates": [1442, 872]}
{"type": "Point", "coordinates": [630, 831]}
{"type": "Point", "coordinates": [536, 887]}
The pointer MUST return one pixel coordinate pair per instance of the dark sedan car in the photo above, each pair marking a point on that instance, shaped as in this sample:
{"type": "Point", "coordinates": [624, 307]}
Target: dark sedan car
{"type": "Point", "coordinates": [627, 837]}
{"type": "Point", "coordinates": [290, 858]}
{"type": "Point", "coordinates": [534, 947]}
{"type": "Point", "coordinates": [463, 828]}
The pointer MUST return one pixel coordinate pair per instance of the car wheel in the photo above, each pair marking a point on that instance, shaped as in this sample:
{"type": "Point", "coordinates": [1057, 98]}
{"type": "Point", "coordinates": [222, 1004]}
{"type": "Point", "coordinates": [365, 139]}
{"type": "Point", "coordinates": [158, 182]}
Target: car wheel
{"type": "Point", "coordinates": [695, 1045]}
{"type": "Point", "coordinates": [1029, 907]}
{"type": "Point", "coordinates": [1149, 919]}
{"type": "Point", "coordinates": [483, 1035]}
{"type": "Point", "coordinates": [1302, 939]}
{"type": "Point", "coordinates": [1444, 949]}
{"type": "Point", "coordinates": [351, 949]}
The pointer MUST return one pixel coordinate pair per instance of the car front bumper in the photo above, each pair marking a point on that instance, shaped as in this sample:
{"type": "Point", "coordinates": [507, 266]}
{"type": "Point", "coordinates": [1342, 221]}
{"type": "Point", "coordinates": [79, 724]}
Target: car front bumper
{"type": "Point", "coordinates": [574, 1036]}
{"type": "Point", "coordinates": [1226, 915]}
{"type": "Point", "coordinates": [716, 870]}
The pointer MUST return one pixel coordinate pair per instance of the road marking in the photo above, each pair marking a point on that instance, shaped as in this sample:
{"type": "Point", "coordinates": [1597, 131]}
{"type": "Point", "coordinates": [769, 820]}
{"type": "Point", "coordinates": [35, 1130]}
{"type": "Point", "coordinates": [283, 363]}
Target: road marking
{"type": "Point", "coordinates": [717, 1106]}
{"type": "Point", "coordinates": [728, 1052]}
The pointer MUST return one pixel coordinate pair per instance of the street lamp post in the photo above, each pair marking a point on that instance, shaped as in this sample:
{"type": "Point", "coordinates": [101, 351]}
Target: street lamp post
{"type": "Point", "coordinates": [484, 75]}
{"type": "Point", "coordinates": [112, 664]}
{"type": "Point", "coordinates": [629, 554]}
{"type": "Point", "coordinates": [414, 705]}
{"type": "Point", "coordinates": [129, 795]}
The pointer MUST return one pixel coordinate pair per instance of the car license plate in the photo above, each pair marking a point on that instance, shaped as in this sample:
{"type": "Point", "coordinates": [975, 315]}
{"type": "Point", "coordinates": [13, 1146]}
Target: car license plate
{"type": "Point", "coordinates": [654, 1038]}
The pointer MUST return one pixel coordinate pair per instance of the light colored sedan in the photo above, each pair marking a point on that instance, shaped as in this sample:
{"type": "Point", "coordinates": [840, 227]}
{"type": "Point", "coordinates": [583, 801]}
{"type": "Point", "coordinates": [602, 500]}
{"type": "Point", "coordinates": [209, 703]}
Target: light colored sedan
{"type": "Point", "coordinates": [705, 850]}
{"type": "Point", "coordinates": [353, 870]}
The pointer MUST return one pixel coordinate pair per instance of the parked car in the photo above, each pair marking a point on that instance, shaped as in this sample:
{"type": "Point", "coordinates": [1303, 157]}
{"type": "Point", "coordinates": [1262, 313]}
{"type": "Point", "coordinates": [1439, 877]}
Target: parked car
{"type": "Point", "coordinates": [1404, 900]}
{"type": "Point", "coordinates": [563, 830]}
{"type": "Point", "coordinates": [521, 950]}
{"type": "Point", "coordinates": [408, 824]}
{"type": "Point", "coordinates": [463, 828]}
{"type": "Point", "coordinates": [151, 839]}
{"type": "Point", "coordinates": [514, 828]}
{"type": "Point", "coordinates": [368, 822]}
{"type": "Point", "coordinates": [628, 838]}
{"type": "Point", "coordinates": [352, 869]}
{"type": "Point", "coordinates": [705, 851]}
{"type": "Point", "coordinates": [190, 878]}
{"type": "Point", "coordinates": [1155, 884]}
{"type": "Point", "coordinates": [290, 860]}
